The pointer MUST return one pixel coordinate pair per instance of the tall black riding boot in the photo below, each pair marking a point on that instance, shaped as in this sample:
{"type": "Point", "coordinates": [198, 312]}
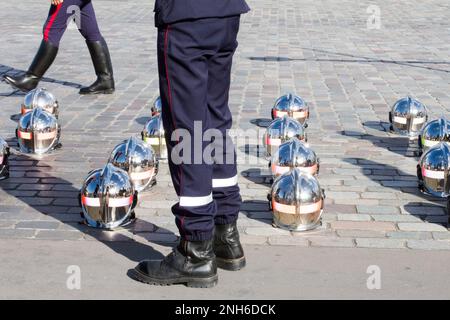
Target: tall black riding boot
{"type": "Point", "coordinates": [103, 69]}
{"type": "Point", "coordinates": [42, 61]}
{"type": "Point", "coordinates": [191, 263]}
{"type": "Point", "coordinates": [227, 247]}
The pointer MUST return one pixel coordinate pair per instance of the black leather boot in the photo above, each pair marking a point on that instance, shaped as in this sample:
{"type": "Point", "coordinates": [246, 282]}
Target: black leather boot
{"type": "Point", "coordinates": [42, 61]}
{"type": "Point", "coordinates": [191, 263]}
{"type": "Point", "coordinates": [103, 69]}
{"type": "Point", "coordinates": [227, 247]}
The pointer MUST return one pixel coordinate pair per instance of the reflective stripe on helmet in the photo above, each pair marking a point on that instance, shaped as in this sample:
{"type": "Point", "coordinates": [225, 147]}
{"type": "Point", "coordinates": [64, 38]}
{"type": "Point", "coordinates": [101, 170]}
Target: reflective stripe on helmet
{"type": "Point", "coordinates": [273, 142]}
{"type": "Point", "coordinates": [302, 209]}
{"type": "Point", "coordinates": [295, 114]}
{"type": "Point", "coordinates": [45, 136]}
{"type": "Point", "coordinates": [300, 114]}
{"type": "Point", "coordinates": [223, 183]}
{"type": "Point", "coordinates": [400, 120]}
{"type": "Point", "coordinates": [429, 143]}
{"type": "Point", "coordinates": [195, 201]}
{"type": "Point", "coordinates": [25, 135]}
{"type": "Point", "coordinates": [279, 114]}
{"type": "Point", "coordinates": [90, 202]}
{"type": "Point", "coordinates": [419, 120]}
{"type": "Point", "coordinates": [433, 174]}
{"type": "Point", "coordinates": [142, 175]}
{"type": "Point", "coordinates": [25, 110]}
{"type": "Point", "coordinates": [112, 203]}
{"type": "Point", "coordinates": [154, 141]}
{"type": "Point", "coordinates": [120, 202]}
{"type": "Point", "coordinates": [278, 170]}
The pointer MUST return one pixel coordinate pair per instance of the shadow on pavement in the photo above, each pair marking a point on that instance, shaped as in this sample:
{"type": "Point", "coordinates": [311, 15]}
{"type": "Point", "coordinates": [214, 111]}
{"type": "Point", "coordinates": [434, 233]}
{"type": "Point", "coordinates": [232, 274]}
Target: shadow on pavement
{"type": "Point", "coordinates": [58, 198]}
{"type": "Point", "coordinates": [429, 212]}
{"type": "Point", "coordinates": [350, 58]}
{"type": "Point", "coordinates": [7, 70]}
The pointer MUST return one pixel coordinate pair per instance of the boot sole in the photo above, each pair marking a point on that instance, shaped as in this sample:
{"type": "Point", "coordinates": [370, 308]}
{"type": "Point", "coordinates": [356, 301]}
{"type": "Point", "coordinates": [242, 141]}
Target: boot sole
{"type": "Point", "coordinates": [109, 91]}
{"type": "Point", "coordinates": [188, 282]}
{"type": "Point", "coordinates": [231, 264]}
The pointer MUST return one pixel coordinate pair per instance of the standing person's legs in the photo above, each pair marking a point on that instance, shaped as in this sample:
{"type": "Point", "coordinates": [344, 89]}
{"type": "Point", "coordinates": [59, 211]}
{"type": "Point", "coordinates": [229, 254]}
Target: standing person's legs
{"type": "Point", "coordinates": [226, 193]}
{"type": "Point", "coordinates": [183, 49]}
{"type": "Point", "coordinates": [53, 30]}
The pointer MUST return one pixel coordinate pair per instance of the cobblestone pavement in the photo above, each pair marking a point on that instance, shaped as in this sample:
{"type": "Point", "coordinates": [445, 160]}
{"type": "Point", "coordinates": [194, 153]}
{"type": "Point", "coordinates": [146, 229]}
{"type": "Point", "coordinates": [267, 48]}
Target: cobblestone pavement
{"type": "Point", "coordinates": [322, 50]}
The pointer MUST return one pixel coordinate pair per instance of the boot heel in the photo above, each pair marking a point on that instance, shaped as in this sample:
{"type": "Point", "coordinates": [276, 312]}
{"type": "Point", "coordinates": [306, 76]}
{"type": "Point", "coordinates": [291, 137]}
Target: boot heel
{"type": "Point", "coordinates": [203, 283]}
{"type": "Point", "coordinates": [231, 265]}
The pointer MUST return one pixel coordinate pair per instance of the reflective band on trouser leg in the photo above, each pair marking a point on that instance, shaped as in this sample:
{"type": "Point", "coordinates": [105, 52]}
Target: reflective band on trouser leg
{"type": "Point", "coordinates": [433, 174]}
{"type": "Point", "coordinates": [223, 183]}
{"type": "Point", "coordinates": [112, 203]}
{"type": "Point", "coordinates": [1, 159]}
{"type": "Point", "coordinates": [303, 209]}
{"type": "Point", "coordinates": [195, 201]}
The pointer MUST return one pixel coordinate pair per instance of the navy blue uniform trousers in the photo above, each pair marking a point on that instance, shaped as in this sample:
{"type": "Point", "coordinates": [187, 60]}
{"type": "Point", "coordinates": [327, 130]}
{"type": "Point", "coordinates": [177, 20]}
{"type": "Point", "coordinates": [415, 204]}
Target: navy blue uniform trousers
{"type": "Point", "coordinates": [82, 11]}
{"type": "Point", "coordinates": [195, 58]}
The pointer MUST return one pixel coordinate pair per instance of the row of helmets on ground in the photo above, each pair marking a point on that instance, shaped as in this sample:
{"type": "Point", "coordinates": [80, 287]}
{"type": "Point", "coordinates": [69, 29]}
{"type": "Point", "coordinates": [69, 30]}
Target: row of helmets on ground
{"type": "Point", "coordinates": [296, 198]}
{"type": "Point", "coordinates": [109, 195]}
{"type": "Point", "coordinates": [409, 117]}
{"type": "Point", "coordinates": [37, 131]}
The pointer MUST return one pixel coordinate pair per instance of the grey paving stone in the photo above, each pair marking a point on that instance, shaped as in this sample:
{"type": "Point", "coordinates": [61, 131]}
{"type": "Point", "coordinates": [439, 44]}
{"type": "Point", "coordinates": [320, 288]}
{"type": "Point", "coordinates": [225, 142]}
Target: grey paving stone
{"type": "Point", "coordinates": [428, 244]}
{"type": "Point", "coordinates": [354, 217]}
{"type": "Point", "coordinates": [332, 242]}
{"type": "Point", "coordinates": [421, 227]}
{"type": "Point", "coordinates": [59, 235]}
{"type": "Point", "coordinates": [380, 243]}
{"type": "Point", "coordinates": [16, 234]}
{"type": "Point", "coordinates": [422, 235]}
{"type": "Point", "coordinates": [48, 225]}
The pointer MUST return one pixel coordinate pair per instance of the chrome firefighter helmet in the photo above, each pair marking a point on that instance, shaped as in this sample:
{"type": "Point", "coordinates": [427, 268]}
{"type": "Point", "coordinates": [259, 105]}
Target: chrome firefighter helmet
{"type": "Point", "coordinates": [157, 106]}
{"type": "Point", "coordinates": [292, 106]}
{"type": "Point", "coordinates": [434, 132]}
{"type": "Point", "coordinates": [38, 132]}
{"type": "Point", "coordinates": [108, 198]}
{"type": "Point", "coordinates": [138, 159]}
{"type": "Point", "coordinates": [408, 116]}
{"type": "Point", "coordinates": [4, 155]}
{"type": "Point", "coordinates": [281, 130]}
{"type": "Point", "coordinates": [40, 98]}
{"type": "Point", "coordinates": [297, 201]}
{"type": "Point", "coordinates": [153, 135]}
{"type": "Point", "coordinates": [294, 154]}
{"type": "Point", "coordinates": [433, 171]}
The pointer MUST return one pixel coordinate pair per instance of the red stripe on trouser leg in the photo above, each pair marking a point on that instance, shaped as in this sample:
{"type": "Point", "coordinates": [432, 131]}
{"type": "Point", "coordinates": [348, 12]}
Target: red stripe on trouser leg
{"type": "Point", "coordinates": [169, 90]}
{"type": "Point", "coordinates": [51, 21]}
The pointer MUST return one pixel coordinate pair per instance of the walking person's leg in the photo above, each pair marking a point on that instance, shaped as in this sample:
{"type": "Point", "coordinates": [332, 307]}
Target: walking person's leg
{"type": "Point", "coordinates": [53, 30]}
{"type": "Point", "coordinates": [226, 193]}
{"type": "Point", "coordinates": [98, 50]}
